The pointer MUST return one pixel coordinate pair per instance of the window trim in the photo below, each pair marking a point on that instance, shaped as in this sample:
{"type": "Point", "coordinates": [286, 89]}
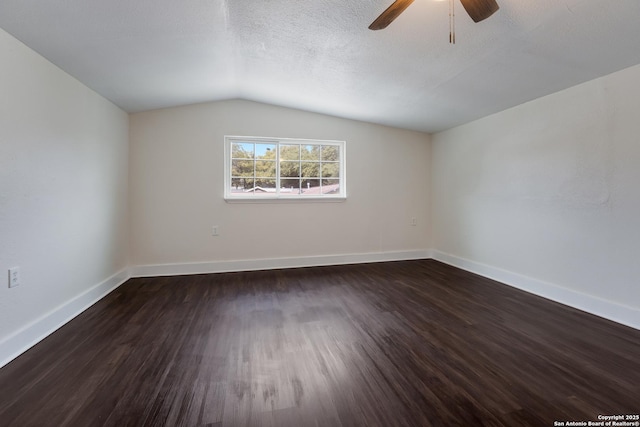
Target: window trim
{"type": "Point", "coordinates": [276, 197]}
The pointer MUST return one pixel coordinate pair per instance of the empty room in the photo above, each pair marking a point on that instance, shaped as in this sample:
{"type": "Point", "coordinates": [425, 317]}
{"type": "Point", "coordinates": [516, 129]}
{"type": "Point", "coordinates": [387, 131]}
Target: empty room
{"type": "Point", "coordinates": [319, 213]}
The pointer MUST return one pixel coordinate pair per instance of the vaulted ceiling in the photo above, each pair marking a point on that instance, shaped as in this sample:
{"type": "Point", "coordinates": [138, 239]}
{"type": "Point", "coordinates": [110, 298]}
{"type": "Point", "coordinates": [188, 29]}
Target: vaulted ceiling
{"type": "Point", "coordinates": [318, 55]}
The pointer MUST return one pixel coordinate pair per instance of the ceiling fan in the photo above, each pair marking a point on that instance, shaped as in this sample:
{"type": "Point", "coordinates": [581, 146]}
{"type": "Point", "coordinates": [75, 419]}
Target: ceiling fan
{"type": "Point", "coordinates": [478, 10]}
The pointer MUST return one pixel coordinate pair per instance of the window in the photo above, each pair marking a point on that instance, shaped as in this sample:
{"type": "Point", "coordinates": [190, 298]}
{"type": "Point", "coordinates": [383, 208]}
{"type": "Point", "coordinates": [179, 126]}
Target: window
{"type": "Point", "coordinates": [271, 168]}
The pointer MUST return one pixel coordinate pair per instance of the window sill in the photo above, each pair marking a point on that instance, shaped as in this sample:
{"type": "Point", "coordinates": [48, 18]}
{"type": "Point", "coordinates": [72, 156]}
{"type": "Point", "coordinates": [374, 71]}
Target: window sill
{"type": "Point", "coordinates": [259, 200]}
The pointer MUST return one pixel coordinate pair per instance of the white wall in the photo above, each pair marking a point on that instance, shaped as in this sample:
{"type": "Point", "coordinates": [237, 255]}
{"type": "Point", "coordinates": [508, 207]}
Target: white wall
{"type": "Point", "coordinates": [177, 188]}
{"type": "Point", "coordinates": [63, 195]}
{"type": "Point", "coordinates": [549, 190]}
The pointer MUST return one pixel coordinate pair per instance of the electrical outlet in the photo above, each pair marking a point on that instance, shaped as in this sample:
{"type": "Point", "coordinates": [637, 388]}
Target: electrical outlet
{"type": "Point", "coordinates": [14, 277]}
{"type": "Point", "coordinates": [414, 221]}
{"type": "Point", "coordinates": [214, 231]}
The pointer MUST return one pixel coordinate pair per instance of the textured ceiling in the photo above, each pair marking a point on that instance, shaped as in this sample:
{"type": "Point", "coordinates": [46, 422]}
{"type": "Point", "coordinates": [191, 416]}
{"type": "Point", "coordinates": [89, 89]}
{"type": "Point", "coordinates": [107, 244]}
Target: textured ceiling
{"type": "Point", "coordinates": [319, 55]}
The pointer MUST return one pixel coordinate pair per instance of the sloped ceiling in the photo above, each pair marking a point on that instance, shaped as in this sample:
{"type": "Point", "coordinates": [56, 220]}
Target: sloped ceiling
{"type": "Point", "coordinates": [319, 55]}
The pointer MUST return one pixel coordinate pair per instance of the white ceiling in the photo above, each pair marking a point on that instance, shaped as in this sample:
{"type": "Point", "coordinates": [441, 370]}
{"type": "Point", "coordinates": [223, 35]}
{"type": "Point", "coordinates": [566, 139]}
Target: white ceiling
{"type": "Point", "coordinates": [318, 55]}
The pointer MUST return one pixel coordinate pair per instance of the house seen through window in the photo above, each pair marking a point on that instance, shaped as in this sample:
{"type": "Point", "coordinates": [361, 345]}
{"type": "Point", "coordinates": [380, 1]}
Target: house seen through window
{"type": "Point", "coordinates": [283, 168]}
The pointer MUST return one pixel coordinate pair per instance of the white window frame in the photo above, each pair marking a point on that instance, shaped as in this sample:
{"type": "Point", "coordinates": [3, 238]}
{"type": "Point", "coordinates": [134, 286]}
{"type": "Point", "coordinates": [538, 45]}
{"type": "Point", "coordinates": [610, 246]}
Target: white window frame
{"type": "Point", "coordinates": [276, 196]}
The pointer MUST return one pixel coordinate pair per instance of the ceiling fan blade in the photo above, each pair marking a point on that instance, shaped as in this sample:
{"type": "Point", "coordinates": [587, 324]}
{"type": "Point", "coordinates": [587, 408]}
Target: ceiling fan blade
{"type": "Point", "coordinates": [479, 10]}
{"type": "Point", "coordinates": [390, 14]}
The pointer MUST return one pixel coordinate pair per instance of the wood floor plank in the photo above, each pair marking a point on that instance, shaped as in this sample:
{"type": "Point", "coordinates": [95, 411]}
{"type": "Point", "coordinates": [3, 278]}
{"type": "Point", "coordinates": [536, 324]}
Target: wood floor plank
{"type": "Point", "coordinates": [412, 343]}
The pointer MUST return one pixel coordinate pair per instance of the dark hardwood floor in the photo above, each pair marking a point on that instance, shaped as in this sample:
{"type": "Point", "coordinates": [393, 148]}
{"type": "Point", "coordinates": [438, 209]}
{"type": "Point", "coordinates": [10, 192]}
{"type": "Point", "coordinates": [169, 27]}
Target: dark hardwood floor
{"type": "Point", "coordinates": [415, 343]}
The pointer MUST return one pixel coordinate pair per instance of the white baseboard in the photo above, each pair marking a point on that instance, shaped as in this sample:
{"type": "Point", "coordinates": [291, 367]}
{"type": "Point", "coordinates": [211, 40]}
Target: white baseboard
{"type": "Point", "coordinates": [273, 263]}
{"type": "Point", "coordinates": [19, 342]}
{"type": "Point", "coordinates": [25, 338]}
{"type": "Point", "coordinates": [625, 315]}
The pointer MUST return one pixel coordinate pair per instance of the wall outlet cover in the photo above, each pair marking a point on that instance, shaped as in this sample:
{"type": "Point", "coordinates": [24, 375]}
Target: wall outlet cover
{"type": "Point", "coordinates": [14, 277]}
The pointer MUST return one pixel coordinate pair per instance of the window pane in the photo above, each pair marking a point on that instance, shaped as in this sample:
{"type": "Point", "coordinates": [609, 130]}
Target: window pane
{"type": "Point", "coordinates": [241, 168]}
{"type": "Point", "coordinates": [289, 152]}
{"type": "Point", "coordinates": [265, 187]}
{"type": "Point", "coordinates": [266, 151]}
{"type": "Point", "coordinates": [236, 185]}
{"type": "Point", "coordinates": [265, 168]}
{"type": "Point", "coordinates": [311, 187]}
{"type": "Point", "coordinates": [240, 185]}
{"type": "Point", "coordinates": [290, 187]}
{"type": "Point", "coordinates": [290, 169]}
{"type": "Point", "coordinates": [242, 150]}
{"type": "Point", "coordinates": [311, 170]}
{"type": "Point", "coordinates": [310, 152]}
{"type": "Point", "coordinates": [331, 170]}
{"type": "Point", "coordinates": [330, 186]}
{"type": "Point", "coordinates": [330, 153]}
